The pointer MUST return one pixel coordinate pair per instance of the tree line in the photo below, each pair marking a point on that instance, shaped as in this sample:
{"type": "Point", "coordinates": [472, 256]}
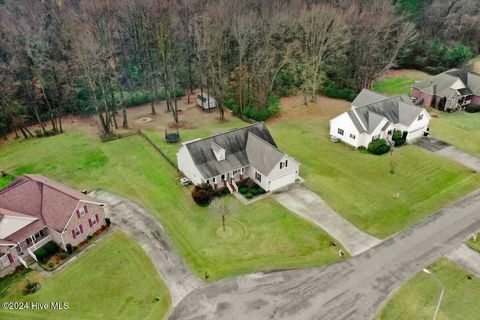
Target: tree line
{"type": "Point", "coordinates": [101, 56]}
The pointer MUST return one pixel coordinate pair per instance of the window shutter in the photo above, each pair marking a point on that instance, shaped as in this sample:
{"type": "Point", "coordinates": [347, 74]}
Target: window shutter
{"type": "Point", "coordinates": [81, 229]}
{"type": "Point", "coordinates": [78, 214]}
{"type": "Point", "coordinates": [73, 234]}
{"type": "Point", "coordinates": [281, 165]}
{"type": "Point", "coordinates": [97, 217]}
{"type": "Point", "coordinates": [10, 258]}
{"type": "Point", "coordinates": [85, 209]}
{"type": "Point", "coordinates": [90, 222]}
{"type": "Point", "coordinates": [286, 163]}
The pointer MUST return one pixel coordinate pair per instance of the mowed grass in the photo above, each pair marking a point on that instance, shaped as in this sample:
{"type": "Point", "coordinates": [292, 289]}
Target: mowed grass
{"type": "Point", "coordinates": [417, 299]}
{"type": "Point", "coordinates": [460, 129]}
{"type": "Point", "coordinates": [475, 245]}
{"type": "Point", "coordinates": [398, 82]}
{"type": "Point", "coordinates": [114, 280]}
{"type": "Point", "coordinates": [262, 236]}
{"type": "Point", "coordinates": [170, 149]}
{"type": "Point", "coordinates": [360, 186]}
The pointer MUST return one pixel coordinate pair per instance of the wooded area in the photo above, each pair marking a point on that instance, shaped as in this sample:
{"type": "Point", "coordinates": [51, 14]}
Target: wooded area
{"type": "Point", "coordinates": [101, 56]}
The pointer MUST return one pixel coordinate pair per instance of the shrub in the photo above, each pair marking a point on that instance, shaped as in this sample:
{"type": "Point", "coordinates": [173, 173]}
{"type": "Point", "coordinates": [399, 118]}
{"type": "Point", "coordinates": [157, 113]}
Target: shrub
{"type": "Point", "coordinates": [89, 237]}
{"type": "Point", "coordinates": [108, 222]}
{"type": "Point", "coordinates": [331, 90]}
{"type": "Point", "coordinates": [472, 108]}
{"type": "Point", "coordinates": [51, 247]}
{"type": "Point", "coordinates": [248, 195]}
{"type": "Point", "coordinates": [69, 248]}
{"type": "Point", "coordinates": [242, 190]}
{"type": "Point", "coordinates": [397, 137]}
{"type": "Point", "coordinates": [254, 191]}
{"type": "Point", "coordinates": [62, 255]}
{"type": "Point", "coordinates": [203, 194]}
{"type": "Point", "coordinates": [379, 146]}
{"type": "Point", "coordinates": [41, 254]}
{"type": "Point", "coordinates": [262, 114]}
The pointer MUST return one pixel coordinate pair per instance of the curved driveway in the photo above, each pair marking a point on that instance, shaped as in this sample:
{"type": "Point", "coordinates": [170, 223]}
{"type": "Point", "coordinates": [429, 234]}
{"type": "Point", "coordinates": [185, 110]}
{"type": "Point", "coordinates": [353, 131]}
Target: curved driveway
{"type": "Point", "coordinates": [353, 289]}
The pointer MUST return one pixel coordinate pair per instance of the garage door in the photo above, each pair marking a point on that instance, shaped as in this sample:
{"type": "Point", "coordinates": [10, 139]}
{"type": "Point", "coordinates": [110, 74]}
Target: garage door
{"type": "Point", "coordinates": [283, 180]}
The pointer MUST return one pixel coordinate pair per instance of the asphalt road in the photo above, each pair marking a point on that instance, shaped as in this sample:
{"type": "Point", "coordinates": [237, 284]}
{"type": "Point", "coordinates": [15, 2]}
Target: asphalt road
{"type": "Point", "coordinates": [354, 289]}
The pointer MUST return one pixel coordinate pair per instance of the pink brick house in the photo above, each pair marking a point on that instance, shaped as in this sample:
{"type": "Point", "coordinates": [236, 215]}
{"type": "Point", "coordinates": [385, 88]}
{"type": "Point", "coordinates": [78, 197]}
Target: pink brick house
{"type": "Point", "coordinates": [35, 210]}
{"type": "Point", "coordinates": [458, 87]}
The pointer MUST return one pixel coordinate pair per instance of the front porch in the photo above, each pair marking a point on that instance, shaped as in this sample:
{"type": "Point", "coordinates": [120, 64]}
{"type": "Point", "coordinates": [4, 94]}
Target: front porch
{"type": "Point", "coordinates": [26, 248]}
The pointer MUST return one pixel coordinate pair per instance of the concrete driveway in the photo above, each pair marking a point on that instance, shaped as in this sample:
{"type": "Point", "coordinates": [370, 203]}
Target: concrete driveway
{"type": "Point", "coordinates": [450, 152]}
{"type": "Point", "coordinates": [307, 204]}
{"type": "Point", "coordinates": [351, 290]}
{"type": "Point", "coordinates": [144, 228]}
{"type": "Point", "coordinates": [466, 258]}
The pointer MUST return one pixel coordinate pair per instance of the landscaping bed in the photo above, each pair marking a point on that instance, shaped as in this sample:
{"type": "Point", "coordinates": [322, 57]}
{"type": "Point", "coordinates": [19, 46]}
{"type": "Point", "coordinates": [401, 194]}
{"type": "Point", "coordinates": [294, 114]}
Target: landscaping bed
{"type": "Point", "coordinates": [249, 189]}
{"type": "Point", "coordinates": [50, 256]}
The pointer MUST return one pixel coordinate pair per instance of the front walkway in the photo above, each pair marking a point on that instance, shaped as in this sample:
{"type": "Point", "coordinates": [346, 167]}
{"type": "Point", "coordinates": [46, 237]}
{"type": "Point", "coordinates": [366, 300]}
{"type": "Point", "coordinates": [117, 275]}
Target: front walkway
{"type": "Point", "coordinates": [450, 152]}
{"type": "Point", "coordinates": [466, 258]}
{"type": "Point", "coordinates": [307, 204]}
{"type": "Point", "coordinates": [142, 226]}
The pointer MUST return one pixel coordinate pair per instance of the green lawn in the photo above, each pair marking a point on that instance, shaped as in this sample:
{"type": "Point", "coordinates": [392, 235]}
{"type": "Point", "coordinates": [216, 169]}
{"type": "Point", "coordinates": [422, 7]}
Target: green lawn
{"type": "Point", "coordinates": [393, 86]}
{"type": "Point", "coordinates": [261, 236]}
{"type": "Point", "coordinates": [360, 186]}
{"type": "Point", "coordinates": [461, 129]}
{"type": "Point", "coordinates": [398, 82]}
{"type": "Point", "coordinates": [170, 149]}
{"type": "Point", "coordinates": [114, 280]}
{"type": "Point", "coordinates": [417, 299]}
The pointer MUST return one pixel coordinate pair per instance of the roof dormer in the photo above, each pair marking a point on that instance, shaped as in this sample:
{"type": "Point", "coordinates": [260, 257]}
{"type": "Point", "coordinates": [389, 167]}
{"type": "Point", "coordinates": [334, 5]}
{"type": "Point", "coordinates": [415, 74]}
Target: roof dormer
{"type": "Point", "coordinates": [218, 151]}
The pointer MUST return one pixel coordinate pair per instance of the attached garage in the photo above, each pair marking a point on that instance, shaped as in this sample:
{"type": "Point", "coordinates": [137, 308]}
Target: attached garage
{"type": "Point", "coordinates": [282, 181]}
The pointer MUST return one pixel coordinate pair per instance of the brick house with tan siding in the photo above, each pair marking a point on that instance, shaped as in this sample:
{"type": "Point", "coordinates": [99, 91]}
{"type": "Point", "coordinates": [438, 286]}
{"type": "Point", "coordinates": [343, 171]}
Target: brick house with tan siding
{"type": "Point", "coordinates": [458, 87]}
{"type": "Point", "coordinates": [35, 210]}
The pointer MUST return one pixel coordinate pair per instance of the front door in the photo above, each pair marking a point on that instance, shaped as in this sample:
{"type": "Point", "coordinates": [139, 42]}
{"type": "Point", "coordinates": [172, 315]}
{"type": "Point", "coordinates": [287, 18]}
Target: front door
{"type": "Point", "coordinates": [19, 249]}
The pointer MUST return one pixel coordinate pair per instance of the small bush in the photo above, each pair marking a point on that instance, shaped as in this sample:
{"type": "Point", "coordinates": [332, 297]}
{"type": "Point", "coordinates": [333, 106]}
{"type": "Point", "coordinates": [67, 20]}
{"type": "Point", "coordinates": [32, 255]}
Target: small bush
{"type": "Point", "coordinates": [362, 149]}
{"type": "Point", "coordinates": [248, 195]}
{"type": "Point", "coordinates": [41, 254]}
{"type": "Point", "coordinates": [203, 194]}
{"type": "Point", "coordinates": [62, 255]}
{"type": "Point", "coordinates": [472, 108]}
{"type": "Point", "coordinates": [242, 190]}
{"type": "Point", "coordinates": [69, 248]}
{"type": "Point", "coordinates": [89, 237]}
{"type": "Point", "coordinates": [254, 192]}
{"type": "Point", "coordinates": [379, 147]}
{"type": "Point", "coordinates": [51, 247]}
{"type": "Point", "coordinates": [397, 137]}
{"type": "Point", "coordinates": [262, 114]}
{"type": "Point", "coordinates": [108, 222]}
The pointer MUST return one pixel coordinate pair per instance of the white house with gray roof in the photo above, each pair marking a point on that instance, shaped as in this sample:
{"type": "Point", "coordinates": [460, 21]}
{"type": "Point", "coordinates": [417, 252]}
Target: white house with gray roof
{"type": "Point", "coordinates": [374, 116]}
{"type": "Point", "coordinates": [226, 158]}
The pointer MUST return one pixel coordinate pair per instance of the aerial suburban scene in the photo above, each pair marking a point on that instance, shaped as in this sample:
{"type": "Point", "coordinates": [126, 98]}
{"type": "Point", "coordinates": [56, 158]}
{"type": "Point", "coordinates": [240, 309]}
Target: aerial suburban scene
{"type": "Point", "coordinates": [254, 159]}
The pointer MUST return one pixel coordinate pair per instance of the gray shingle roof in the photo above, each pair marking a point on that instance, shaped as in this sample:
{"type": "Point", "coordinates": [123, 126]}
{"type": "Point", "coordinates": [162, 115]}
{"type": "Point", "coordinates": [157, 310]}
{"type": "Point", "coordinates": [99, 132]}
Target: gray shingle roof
{"type": "Point", "coordinates": [445, 80]}
{"type": "Point", "coordinates": [366, 97]}
{"type": "Point", "coordinates": [355, 121]}
{"type": "Point", "coordinates": [234, 142]}
{"type": "Point", "coordinates": [261, 154]}
{"type": "Point", "coordinates": [397, 109]}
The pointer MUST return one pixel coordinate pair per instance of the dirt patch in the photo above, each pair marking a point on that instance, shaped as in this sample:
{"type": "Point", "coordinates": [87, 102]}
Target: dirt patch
{"type": "Point", "coordinates": [409, 73]}
{"type": "Point", "coordinates": [293, 107]}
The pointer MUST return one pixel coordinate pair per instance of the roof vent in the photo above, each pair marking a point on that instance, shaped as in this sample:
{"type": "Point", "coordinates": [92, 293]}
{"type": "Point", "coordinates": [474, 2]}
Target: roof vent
{"type": "Point", "coordinates": [218, 151]}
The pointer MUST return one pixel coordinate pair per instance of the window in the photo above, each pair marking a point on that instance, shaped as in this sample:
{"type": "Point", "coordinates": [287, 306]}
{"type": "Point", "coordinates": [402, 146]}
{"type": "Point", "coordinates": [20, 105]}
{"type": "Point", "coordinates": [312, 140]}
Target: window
{"type": "Point", "coordinates": [208, 181]}
{"type": "Point", "coordinates": [235, 172]}
{"type": "Point", "coordinates": [340, 131]}
{"type": "Point", "coordinates": [352, 136]}
{"type": "Point", "coordinates": [258, 177]}
{"type": "Point", "coordinates": [4, 260]}
{"type": "Point", "coordinates": [420, 117]}
{"type": "Point", "coordinates": [283, 164]}
{"type": "Point", "coordinates": [213, 179]}
{"type": "Point", "coordinates": [223, 177]}
{"type": "Point", "coordinates": [376, 137]}
{"type": "Point", "coordinates": [77, 231]}
{"type": "Point", "coordinates": [82, 211]}
{"type": "Point", "coordinates": [93, 221]}
{"type": "Point", "coordinates": [389, 132]}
